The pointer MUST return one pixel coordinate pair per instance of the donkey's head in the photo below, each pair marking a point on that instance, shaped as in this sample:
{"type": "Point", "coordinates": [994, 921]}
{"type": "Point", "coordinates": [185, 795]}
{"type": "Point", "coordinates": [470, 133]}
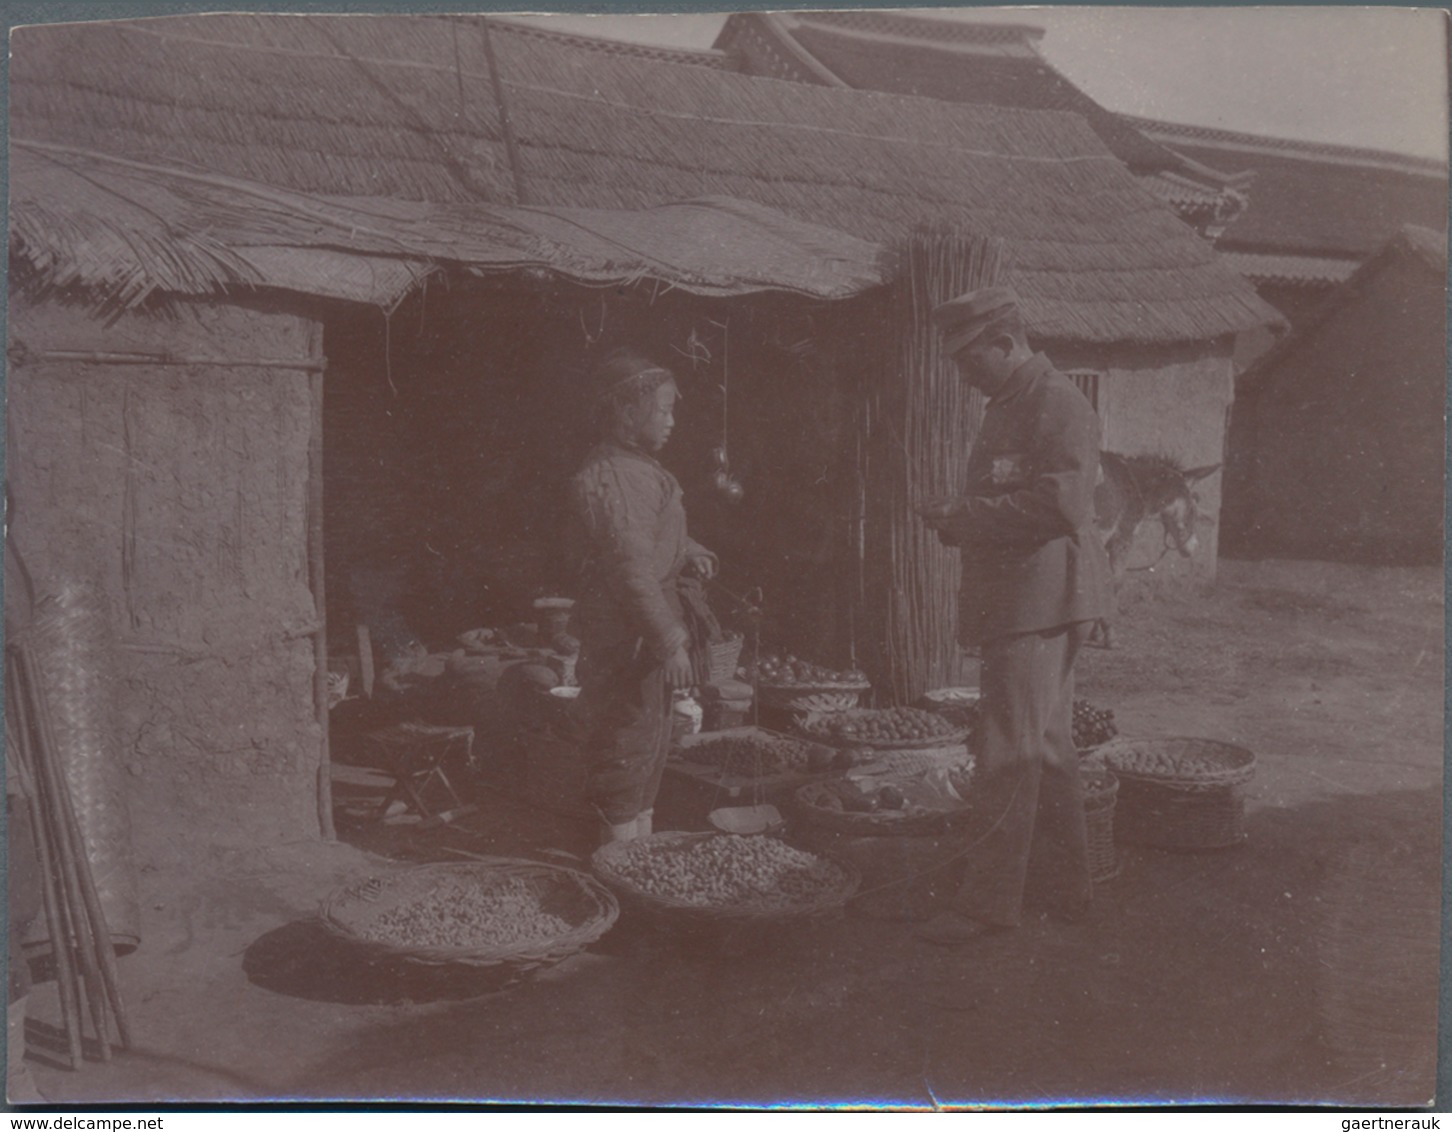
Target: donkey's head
{"type": "Point", "coordinates": [1169, 495]}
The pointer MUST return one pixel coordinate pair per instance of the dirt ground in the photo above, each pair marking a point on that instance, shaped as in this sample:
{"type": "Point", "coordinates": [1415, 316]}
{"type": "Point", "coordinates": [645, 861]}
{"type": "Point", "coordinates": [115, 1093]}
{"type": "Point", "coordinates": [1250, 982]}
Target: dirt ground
{"type": "Point", "coordinates": [1297, 968]}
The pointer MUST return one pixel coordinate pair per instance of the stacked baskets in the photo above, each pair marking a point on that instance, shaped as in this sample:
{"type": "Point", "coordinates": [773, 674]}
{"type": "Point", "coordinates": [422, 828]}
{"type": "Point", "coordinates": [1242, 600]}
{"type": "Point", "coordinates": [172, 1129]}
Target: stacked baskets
{"type": "Point", "coordinates": [1179, 793]}
{"type": "Point", "coordinates": [504, 913]}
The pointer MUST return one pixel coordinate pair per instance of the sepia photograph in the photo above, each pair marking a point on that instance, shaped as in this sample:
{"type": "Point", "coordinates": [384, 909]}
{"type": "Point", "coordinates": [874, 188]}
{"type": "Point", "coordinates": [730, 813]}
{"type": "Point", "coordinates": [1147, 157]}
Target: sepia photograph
{"type": "Point", "coordinates": [881, 558]}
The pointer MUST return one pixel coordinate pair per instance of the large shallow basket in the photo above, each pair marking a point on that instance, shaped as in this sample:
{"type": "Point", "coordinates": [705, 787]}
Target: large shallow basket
{"type": "Point", "coordinates": [1179, 793]}
{"type": "Point", "coordinates": [822, 699]}
{"type": "Point", "coordinates": [608, 862]}
{"type": "Point", "coordinates": [1101, 790]}
{"type": "Point", "coordinates": [816, 727]}
{"type": "Point", "coordinates": [582, 910]}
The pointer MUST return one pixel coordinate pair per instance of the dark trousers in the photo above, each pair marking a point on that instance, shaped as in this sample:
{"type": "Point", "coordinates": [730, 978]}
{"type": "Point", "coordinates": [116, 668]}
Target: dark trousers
{"type": "Point", "coordinates": [624, 713]}
{"type": "Point", "coordinates": [1027, 833]}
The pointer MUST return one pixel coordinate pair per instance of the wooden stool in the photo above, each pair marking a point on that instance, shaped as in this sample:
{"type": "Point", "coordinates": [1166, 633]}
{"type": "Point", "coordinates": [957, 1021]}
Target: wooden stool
{"type": "Point", "coordinates": [415, 754]}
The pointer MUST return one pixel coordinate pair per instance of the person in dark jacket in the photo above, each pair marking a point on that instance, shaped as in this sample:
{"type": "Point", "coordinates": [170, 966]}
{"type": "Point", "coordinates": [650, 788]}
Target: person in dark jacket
{"type": "Point", "coordinates": [632, 557]}
{"type": "Point", "coordinates": [1035, 582]}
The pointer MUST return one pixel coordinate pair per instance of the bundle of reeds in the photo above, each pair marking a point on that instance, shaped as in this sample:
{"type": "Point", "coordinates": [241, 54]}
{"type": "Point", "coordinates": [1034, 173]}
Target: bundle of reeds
{"type": "Point", "coordinates": [921, 425]}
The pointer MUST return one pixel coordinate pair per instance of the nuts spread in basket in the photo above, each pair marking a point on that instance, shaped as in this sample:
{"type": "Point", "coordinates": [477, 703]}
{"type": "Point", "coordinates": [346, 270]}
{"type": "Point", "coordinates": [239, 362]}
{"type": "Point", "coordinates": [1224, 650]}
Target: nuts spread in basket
{"type": "Point", "coordinates": [467, 914]}
{"type": "Point", "coordinates": [789, 671]}
{"type": "Point", "coordinates": [726, 870]}
{"type": "Point", "coordinates": [756, 756]}
{"type": "Point", "coordinates": [884, 725]}
{"type": "Point", "coordinates": [1155, 761]}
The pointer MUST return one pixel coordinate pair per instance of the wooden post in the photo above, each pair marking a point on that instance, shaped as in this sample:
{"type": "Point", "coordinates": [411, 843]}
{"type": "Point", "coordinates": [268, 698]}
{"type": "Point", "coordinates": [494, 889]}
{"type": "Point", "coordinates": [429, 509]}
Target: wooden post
{"type": "Point", "coordinates": [317, 583]}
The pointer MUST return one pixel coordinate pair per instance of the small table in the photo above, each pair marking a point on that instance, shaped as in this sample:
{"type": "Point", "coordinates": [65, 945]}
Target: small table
{"type": "Point", "coordinates": [416, 754]}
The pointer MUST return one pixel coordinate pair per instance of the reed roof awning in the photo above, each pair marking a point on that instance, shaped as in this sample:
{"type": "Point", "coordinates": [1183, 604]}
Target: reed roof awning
{"type": "Point", "coordinates": [128, 230]}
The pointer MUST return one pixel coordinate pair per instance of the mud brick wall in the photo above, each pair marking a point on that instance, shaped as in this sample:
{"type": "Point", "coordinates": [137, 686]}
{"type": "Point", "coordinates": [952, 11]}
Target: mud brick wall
{"type": "Point", "coordinates": [181, 491]}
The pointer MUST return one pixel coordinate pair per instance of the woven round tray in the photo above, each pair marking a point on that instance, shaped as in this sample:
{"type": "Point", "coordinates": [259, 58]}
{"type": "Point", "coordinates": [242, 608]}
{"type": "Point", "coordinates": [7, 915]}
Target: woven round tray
{"type": "Point", "coordinates": [814, 729]}
{"type": "Point", "coordinates": [585, 907]}
{"type": "Point", "coordinates": [608, 859]}
{"type": "Point", "coordinates": [824, 699]}
{"type": "Point", "coordinates": [812, 805]}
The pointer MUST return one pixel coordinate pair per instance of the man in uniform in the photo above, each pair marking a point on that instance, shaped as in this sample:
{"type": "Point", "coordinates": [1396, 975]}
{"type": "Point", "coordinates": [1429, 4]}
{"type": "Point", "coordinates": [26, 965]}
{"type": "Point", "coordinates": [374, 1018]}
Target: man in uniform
{"type": "Point", "coordinates": [1035, 582]}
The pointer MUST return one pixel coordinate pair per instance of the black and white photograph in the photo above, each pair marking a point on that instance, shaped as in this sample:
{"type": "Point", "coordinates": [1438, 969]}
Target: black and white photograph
{"type": "Point", "coordinates": [881, 558]}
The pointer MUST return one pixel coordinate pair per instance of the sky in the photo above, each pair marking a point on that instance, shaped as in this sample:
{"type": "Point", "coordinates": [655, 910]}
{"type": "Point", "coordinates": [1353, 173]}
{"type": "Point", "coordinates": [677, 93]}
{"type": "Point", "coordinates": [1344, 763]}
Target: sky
{"type": "Point", "coordinates": [1373, 76]}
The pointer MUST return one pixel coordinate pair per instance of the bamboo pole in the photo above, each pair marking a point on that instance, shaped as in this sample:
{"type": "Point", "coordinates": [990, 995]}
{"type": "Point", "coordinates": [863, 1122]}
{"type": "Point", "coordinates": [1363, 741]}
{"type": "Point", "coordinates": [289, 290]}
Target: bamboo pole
{"type": "Point", "coordinates": [317, 579]}
{"type": "Point", "coordinates": [57, 922]}
{"type": "Point", "coordinates": [75, 872]}
{"type": "Point", "coordinates": [95, 913]}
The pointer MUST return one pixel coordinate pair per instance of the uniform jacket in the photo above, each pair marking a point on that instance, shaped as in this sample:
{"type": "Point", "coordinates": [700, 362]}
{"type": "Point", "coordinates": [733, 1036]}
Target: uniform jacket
{"type": "Point", "coordinates": [1025, 522]}
{"type": "Point", "coordinates": [628, 538]}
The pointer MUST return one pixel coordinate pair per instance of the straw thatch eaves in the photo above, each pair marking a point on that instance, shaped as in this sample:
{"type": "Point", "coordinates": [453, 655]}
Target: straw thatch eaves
{"type": "Point", "coordinates": [403, 107]}
{"type": "Point", "coordinates": [123, 231]}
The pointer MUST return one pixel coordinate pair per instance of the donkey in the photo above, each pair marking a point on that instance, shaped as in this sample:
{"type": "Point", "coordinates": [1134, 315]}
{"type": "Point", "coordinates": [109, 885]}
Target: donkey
{"type": "Point", "coordinates": [1132, 489]}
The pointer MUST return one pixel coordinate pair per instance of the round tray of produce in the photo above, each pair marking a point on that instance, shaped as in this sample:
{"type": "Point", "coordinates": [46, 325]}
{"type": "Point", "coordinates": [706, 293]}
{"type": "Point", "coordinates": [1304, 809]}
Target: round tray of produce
{"type": "Point", "coordinates": [887, 729]}
{"type": "Point", "coordinates": [494, 912]}
{"type": "Point", "coordinates": [756, 753]}
{"type": "Point", "coordinates": [719, 879]}
{"type": "Point", "coordinates": [900, 804]}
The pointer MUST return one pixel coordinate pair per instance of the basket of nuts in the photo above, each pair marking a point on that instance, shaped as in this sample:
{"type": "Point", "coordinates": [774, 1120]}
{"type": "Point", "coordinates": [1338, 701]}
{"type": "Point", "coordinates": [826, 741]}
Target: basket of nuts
{"type": "Point", "coordinates": [493, 912]}
{"type": "Point", "coordinates": [1179, 793]}
{"type": "Point", "coordinates": [722, 879]}
{"type": "Point", "coordinates": [895, 728]}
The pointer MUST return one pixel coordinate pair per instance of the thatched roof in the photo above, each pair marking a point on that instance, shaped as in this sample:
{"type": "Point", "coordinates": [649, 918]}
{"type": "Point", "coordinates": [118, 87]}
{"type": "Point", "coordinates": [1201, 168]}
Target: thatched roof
{"type": "Point", "coordinates": [123, 230]}
{"type": "Point", "coordinates": [404, 107]}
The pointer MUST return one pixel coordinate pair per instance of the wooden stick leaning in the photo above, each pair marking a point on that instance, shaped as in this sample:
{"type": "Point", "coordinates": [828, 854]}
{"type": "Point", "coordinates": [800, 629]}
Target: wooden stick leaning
{"type": "Point", "coordinates": [52, 782]}
{"type": "Point", "coordinates": [56, 919]}
{"type": "Point", "coordinates": [101, 950]}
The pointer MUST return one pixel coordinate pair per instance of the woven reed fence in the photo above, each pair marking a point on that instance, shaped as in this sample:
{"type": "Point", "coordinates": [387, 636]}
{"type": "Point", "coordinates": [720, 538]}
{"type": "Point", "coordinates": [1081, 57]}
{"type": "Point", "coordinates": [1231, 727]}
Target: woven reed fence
{"type": "Point", "coordinates": [918, 425]}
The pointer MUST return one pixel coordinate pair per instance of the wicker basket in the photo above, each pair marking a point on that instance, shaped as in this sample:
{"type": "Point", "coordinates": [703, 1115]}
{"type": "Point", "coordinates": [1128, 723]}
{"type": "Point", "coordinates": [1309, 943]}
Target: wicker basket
{"type": "Point", "coordinates": [585, 906]}
{"type": "Point", "coordinates": [814, 727]}
{"type": "Point", "coordinates": [724, 655]}
{"type": "Point", "coordinates": [1101, 791]}
{"type": "Point", "coordinates": [607, 861]}
{"type": "Point", "coordinates": [1179, 793]}
{"type": "Point", "coordinates": [819, 700]}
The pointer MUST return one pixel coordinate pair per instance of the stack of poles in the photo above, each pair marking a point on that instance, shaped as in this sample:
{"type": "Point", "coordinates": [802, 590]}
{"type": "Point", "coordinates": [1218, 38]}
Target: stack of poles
{"type": "Point", "coordinates": [928, 424]}
{"type": "Point", "coordinates": [80, 939]}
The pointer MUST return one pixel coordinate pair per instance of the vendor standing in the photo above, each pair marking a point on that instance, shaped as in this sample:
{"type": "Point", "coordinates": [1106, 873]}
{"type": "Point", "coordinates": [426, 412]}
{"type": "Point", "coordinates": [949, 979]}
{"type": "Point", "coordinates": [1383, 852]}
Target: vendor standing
{"type": "Point", "coordinates": [1035, 581]}
{"type": "Point", "coordinates": [633, 560]}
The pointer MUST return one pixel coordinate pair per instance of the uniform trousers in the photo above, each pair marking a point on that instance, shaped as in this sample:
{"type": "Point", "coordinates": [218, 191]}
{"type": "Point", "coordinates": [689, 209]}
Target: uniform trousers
{"type": "Point", "coordinates": [624, 711]}
{"type": "Point", "coordinates": [1027, 832]}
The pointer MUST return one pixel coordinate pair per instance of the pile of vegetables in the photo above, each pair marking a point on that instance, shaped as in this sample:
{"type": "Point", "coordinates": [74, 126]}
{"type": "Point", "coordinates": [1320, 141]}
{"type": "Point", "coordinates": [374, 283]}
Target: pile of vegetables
{"type": "Point", "coordinates": [787, 671]}
{"type": "Point", "coordinates": [1092, 725]}
{"type": "Point", "coordinates": [717, 872]}
{"type": "Point", "coordinates": [761, 755]}
{"type": "Point", "coordinates": [469, 915]}
{"type": "Point", "coordinates": [884, 726]}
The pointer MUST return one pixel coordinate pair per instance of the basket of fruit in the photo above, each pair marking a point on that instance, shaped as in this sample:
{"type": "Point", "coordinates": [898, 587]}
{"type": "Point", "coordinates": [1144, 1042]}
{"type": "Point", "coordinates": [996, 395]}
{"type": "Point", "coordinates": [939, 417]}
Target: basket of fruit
{"type": "Point", "coordinates": [722, 879]}
{"type": "Point", "coordinates": [1093, 726]}
{"type": "Point", "coordinates": [887, 805]}
{"type": "Point", "coordinates": [1101, 789]}
{"type": "Point", "coordinates": [1179, 793]}
{"type": "Point", "coordinates": [894, 728]}
{"type": "Point", "coordinates": [494, 912]}
{"type": "Point", "coordinates": [748, 763]}
{"type": "Point", "coordinates": [792, 684]}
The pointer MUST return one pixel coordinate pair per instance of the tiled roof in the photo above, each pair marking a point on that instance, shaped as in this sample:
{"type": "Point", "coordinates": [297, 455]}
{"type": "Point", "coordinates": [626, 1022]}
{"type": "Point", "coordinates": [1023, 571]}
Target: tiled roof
{"type": "Point", "coordinates": [1292, 270]}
